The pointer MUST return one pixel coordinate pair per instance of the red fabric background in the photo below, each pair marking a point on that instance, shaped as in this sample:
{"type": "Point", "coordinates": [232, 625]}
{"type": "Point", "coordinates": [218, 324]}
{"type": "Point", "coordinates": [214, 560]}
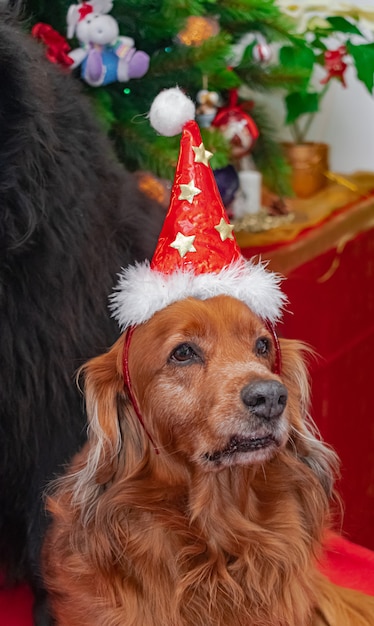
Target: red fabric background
{"type": "Point", "coordinates": [348, 564]}
{"type": "Point", "coordinates": [16, 607]}
{"type": "Point", "coordinates": [336, 317]}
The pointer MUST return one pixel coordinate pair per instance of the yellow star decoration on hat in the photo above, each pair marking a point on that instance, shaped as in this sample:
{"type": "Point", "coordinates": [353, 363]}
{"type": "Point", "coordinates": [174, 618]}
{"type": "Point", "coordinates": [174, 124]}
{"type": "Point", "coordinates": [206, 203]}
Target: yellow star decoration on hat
{"type": "Point", "coordinates": [202, 155]}
{"type": "Point", "coordinates": [188, 192]}
{"type": "Point", "coordinates": [183, 244]}
{"type": "Point", "coordinates": [225, 230]}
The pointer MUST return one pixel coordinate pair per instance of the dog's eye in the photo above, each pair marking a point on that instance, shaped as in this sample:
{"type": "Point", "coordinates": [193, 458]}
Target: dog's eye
{"type": "Point", "coordinates": [184, 353]}
{"type": "Point", "coordinates": [262, 346]}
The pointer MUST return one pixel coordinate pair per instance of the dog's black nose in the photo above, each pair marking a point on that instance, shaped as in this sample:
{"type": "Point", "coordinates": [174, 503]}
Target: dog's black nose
{"type": "Point", "coordinates": [265, 398]}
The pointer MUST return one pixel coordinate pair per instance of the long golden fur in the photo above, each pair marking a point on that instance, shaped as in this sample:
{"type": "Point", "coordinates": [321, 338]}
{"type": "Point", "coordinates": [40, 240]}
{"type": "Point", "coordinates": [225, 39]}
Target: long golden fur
{"type": "Point", "coordinates": [224, 526]}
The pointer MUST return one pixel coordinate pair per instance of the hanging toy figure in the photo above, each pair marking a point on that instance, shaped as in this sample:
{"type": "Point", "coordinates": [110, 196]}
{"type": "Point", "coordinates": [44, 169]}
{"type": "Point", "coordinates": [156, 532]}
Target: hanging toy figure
{"type": "Point", "coordinates": [335, 65]}
{"type": "Point", "coordinates": [206, 111]}
{"type": "Point", "coordinates": [104, 56]}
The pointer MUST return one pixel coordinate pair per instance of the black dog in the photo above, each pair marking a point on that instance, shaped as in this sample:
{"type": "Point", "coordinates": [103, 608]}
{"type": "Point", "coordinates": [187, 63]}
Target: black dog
{"type": "Point", "coordinates": [70, 217]}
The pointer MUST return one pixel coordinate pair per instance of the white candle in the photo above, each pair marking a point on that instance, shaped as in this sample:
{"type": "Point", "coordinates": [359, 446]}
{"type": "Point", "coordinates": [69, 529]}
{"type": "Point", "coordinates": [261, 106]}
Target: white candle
{"type": "Point", "coordinates": [248, 199]}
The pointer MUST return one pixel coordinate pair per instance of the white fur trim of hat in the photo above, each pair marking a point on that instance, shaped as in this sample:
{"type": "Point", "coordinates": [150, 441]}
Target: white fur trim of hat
{"type": "Point", "coordinates": [142, 291]}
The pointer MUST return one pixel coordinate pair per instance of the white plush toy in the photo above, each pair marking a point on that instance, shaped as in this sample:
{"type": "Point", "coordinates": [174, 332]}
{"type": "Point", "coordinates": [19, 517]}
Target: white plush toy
{"type": "Point", "coordinates": [104, 56]}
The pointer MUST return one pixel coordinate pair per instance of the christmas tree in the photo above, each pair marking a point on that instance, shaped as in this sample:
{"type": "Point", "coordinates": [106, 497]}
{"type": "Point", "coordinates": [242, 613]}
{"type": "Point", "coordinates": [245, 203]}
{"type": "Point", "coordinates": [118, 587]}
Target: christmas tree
{"type": "Point", "coordinates": [192, 44]}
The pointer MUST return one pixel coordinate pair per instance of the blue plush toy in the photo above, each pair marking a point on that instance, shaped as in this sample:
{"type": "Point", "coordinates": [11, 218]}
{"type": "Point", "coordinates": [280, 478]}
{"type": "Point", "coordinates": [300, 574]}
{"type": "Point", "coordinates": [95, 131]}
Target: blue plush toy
{"type": "Point", "coordinates": [104, 56]}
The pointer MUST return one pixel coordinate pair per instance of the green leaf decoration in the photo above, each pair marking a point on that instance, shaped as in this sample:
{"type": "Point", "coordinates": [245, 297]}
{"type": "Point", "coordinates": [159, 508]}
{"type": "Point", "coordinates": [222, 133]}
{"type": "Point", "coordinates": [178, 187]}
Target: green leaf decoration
{"type": "Point", "coordinates": [300, 56]}
{"type": "Point", "coordinates": [299, 103]}
{"type": "Point", "coordinates": [247, 56]}
{"type": "Point", "coordinates": [341, 25]}
{"type": "Point", "coordinates": [363, 57]}
{"type": "Point", "coordinates": [319, 45]}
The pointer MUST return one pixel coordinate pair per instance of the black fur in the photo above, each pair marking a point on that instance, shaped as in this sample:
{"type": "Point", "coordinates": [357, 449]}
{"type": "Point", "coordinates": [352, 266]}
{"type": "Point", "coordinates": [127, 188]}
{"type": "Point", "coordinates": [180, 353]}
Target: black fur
{"type": "Point", "coordinates": [70, 217]}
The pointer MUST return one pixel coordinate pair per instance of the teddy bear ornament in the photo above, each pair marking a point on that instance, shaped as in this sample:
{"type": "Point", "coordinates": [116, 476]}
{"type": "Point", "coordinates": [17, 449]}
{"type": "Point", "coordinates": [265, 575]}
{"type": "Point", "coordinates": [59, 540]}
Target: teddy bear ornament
{"type": "Point", "coordinates": [103, 56]}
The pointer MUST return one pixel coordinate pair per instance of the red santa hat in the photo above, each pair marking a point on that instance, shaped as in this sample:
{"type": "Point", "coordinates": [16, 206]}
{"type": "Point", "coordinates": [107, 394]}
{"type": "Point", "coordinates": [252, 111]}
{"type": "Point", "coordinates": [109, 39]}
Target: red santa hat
{"type": "Point", "coordinates": [197, 254]}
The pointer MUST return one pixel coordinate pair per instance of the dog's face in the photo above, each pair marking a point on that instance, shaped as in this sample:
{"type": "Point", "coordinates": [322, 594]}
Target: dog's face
{"type": "Point", "coordinates": [202, 375]}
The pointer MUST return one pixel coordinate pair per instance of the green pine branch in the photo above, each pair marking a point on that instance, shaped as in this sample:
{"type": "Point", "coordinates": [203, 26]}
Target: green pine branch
{"type": "Point", "coordinates": [269, 157]}
{"type": "Point", "coordinates": [155, 26]}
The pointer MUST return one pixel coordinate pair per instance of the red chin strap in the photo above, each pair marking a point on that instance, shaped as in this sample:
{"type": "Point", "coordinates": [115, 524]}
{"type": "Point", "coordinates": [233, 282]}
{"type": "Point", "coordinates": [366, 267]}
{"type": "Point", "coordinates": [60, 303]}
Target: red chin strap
{"type": "Point", "coordinates": [126, 375]}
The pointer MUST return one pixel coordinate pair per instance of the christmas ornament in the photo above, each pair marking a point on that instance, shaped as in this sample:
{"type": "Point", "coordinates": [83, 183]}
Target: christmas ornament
{"type": "Point", "coordinates": [237, 126]}
{"type": "Point", "coordinates": [227, 180]}
{"type": "Point", "coordinates": [335, 65]}
{"type": "Point", "coordinates": [208, 102]}
{"type": "Point", "coordinates": [104, 56]}
{"type": "Point", "coordinates": [155, 188]}
{"type": "Point", "coordinates": [262, 52]}
{"type": "Point", "coordinates": [57, 47]}
{"type": "Point", "coordinates": [197, 30]}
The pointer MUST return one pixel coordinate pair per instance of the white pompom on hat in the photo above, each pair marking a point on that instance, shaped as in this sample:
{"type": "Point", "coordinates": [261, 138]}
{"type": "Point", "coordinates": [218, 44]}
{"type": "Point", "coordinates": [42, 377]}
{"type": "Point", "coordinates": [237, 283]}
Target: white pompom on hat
{"type": "Point", "coordinates": [196, 254]}
{"type": "Point", "coordinates": [169, 112]}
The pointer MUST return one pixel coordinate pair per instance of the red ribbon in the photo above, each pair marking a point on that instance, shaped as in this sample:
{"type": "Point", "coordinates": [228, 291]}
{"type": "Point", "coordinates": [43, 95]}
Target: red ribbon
{"type": "Point", "coordinates": [57, 47]}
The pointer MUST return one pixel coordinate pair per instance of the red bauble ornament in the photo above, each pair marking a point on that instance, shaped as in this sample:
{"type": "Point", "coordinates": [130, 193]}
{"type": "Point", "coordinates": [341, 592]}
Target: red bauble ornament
{"type": "Point", "coordinates": [262, 52]}
{"type": "Point", "coordinates": [237, 126]}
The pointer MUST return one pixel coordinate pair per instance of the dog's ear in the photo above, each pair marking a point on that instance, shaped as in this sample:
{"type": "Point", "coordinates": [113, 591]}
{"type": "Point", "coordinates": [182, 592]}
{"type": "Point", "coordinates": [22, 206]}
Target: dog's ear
{"type": "Point", "coordinates": [114, 433]}
{"type": "Point", "coordinates": [305, 439]}
{"type": "Point", "coordinates": [103, 391]}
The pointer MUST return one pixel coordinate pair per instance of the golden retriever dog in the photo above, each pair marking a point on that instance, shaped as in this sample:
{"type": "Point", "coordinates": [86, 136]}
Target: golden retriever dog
{"type": "Point", "coordinates": [215, 512]}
